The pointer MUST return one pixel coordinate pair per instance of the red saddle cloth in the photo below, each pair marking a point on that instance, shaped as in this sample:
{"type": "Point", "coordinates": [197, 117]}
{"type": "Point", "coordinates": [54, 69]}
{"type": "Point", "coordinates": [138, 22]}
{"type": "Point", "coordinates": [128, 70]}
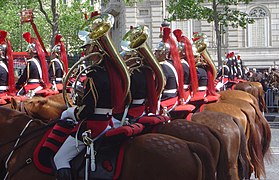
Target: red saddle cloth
{"type": "Point", "coordinates": [153, 120]}
{"type": "Point", "coordinates": [4, 98]}
{"type": "Point", "coordinates": [127, 130]}
{"type": "Point", "coordinates": [212, 98]}
{"type": "Point", "coordinates": [185, 107]}
{"type": "Point", "coordinates": [46, 92]}
{"type": "Point", "coordinates": [168, 103]}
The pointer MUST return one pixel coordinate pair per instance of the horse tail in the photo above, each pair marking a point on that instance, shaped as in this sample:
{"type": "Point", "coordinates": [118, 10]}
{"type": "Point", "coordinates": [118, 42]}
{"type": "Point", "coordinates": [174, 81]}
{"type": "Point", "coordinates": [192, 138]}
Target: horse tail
{"type": "Point", "coordinates": [266, 133]}
{"type": "Point", "coordinates": [243, 160]}
{"type": "Point", "coordinates": [255, 149]}
{"type": "Point", "coordinates": [206, 158]}
{"type": "Point", "coordinates": [223, 167]}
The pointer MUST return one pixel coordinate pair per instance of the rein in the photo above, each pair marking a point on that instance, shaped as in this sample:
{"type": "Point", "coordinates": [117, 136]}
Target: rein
{"type": "Point", "coordinates": [17, 145]}
{"type": "Point", "coordinates": [22, 108]}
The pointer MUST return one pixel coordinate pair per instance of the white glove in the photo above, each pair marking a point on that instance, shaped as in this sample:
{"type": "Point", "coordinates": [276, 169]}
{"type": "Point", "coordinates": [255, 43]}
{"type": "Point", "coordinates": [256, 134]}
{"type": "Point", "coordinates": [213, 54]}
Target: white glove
{"type": "Point", "coordinates": [69, 114]}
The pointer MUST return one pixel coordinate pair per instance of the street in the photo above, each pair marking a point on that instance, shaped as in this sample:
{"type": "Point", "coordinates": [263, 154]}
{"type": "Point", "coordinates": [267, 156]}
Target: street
{"type": "Point", "coordinates": [272, 172]}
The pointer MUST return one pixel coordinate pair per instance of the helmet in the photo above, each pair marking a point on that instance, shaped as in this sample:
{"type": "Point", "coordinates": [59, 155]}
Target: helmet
{"type": "Point", "coordinates": [31, 45]}
{"type": "Point", "coordinates": [84, 36]}
{"type": "Point", "coordinates": [3, 50]}
{"type": "Point", "coordinates": [31, 48]}
{"type": "Point", "coordinates": [56, 50]}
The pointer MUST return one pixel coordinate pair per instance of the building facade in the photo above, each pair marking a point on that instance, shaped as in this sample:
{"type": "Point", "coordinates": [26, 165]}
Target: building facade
{"type": "Point", "coordinates": [258, 44]}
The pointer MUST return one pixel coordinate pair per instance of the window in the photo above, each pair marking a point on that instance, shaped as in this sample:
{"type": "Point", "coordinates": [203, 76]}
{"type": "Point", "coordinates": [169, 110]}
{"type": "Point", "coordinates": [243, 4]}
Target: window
{"type": "Point", "coordinates": [184, 25]}
{"type": "Point", "coordinates": [143, 12]}
{"type": "Point", "coordinates": [258, 32]}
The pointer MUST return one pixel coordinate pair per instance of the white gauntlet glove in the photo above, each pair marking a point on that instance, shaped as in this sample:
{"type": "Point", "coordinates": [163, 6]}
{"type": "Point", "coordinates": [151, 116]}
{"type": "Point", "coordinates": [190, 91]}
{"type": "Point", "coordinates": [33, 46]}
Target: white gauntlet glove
{"type": "Point", "coordinates": [69, 114]}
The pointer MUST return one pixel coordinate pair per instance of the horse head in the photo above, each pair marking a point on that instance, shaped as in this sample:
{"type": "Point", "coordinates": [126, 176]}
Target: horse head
{"type": "Point", "coordinates": [39, 107]}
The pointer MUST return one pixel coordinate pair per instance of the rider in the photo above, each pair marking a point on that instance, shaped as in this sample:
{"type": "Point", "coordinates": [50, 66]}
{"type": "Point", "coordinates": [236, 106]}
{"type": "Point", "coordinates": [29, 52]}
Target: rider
{"type": "Point", "coordinates": [168, 56]}
{"type": "Point", "coordinates": [35, 75]}
{"type": "Point", "coordinates": [58, 65]}
{"type": "Point", "coordinates": [104, 90]}
{"type": "Point", "coordinates": [223, 75]}
{"type": "Point", "coordinates": [7, 81]}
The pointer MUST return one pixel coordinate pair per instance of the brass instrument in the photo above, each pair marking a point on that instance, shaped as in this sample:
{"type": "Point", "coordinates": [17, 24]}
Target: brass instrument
{"type": "Point", "coordinates": [201, 44]}
{"type": "Point", "coordinates": [134, 61]}
{"type": "Point", "coordinates": [135, 39]}
{"type": "Point", "coordinates": [98, 28]}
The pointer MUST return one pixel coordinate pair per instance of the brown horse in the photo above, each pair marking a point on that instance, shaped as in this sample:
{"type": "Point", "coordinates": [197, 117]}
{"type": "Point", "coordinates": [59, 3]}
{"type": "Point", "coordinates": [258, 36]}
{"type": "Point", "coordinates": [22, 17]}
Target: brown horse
{"type": "Point", "coordinates": [256, 89]}
{"type": "Point", "coordinates": [196, 132]}
{"type": "Point", "coordinates": [261, 121]}
{"type": "Point", "coordinates": [178, 128]}
{"type": "Point", "coordinates": [149, 156]}
{"type": "Point", "coordinates": [42, 108]}
{"type": "Point", "coordinates": [234, 139]}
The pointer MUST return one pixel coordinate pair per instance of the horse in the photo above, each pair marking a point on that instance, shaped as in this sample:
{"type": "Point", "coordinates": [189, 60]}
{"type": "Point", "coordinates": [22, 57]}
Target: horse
{"type": "Point", "coordinates": [148, 156]}
{"type": "Point", "coordinates": [234, 138]}
{"type": "Point", "coordinates": [179, 128]}
{"type": "Point", "coordinates": [40, 107]}
{"type": "Point", "coordinates": [256, 89]}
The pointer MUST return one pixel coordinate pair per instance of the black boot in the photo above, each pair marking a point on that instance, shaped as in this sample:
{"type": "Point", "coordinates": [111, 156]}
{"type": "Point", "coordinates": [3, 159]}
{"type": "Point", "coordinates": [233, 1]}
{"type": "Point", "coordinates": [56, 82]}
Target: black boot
{"type": "Point", "coordinates": [64, 174]}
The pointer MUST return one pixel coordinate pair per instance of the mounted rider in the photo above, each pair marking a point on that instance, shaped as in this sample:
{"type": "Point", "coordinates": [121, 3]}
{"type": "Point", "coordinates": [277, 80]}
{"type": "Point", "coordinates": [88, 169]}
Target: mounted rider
{"type": "Point", "coordinates": [58, 66]}
{"type": "Point", "coordinates": [223, 75]}
{"type": "Point", "coordinates": [147, 78]}
{"type": "Point", "coordinates": [7, 81]}
{"type": "Point", "coordinates": [105, 88]}
{"type": "Point", "coordinates": [205, 68]}
{"type": "Point", "coordinates": [35, 74]}
{"type": "Point", "coordinates": [169, 58]}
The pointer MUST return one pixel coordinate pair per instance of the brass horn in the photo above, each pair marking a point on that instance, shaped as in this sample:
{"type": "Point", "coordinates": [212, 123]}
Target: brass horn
{"type": "Point", "coordinates": [98, 30]}
{"type": "Point", "coordinates": [135, 39]}
{"type": "Point", "coordinates": [201, 44]}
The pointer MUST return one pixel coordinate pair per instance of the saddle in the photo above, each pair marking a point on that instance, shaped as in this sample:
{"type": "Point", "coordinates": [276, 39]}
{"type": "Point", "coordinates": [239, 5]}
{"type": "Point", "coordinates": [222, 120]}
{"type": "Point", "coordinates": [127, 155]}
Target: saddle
{"type": "Point", "coordinates": [109, 151]}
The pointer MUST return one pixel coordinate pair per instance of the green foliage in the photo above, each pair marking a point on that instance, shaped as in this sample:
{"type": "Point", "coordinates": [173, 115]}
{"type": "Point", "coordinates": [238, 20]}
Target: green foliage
{"type": "Point", "coordinates": [223, 11]}
{"type": "Point", "coordinates": [69, 22]}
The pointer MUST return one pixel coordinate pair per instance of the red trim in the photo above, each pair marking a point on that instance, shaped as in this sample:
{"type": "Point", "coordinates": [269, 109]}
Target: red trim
{"type": "Point", "coordinates": [36, 154]}
{"type": "Point", "coordinates": [119, 161]}
{"type": "Point", "coordinates": [136, 111]}
{"type": "Point", "coordinates": [11, 79]}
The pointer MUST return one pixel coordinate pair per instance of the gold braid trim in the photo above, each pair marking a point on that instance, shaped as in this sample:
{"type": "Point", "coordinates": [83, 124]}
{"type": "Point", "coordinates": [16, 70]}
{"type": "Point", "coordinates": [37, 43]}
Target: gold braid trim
{"type": "Point", "coordinates": [95, 96]}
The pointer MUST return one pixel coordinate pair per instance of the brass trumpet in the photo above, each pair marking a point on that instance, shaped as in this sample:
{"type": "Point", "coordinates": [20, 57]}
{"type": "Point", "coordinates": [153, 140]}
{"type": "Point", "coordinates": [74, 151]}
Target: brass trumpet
{"type": "Point", "coordinates": [135, 39]}
{"type": "Point", "coordinates": [98, 28]}
{"type": "Point", "coordinates": [201, 45]}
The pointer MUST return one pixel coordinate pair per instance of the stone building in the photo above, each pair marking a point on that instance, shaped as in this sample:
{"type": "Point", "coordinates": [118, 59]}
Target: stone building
{"type": "Point", "coordinates": [258, 45]}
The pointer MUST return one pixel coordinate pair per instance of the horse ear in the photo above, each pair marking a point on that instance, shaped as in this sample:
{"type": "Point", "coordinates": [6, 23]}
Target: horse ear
{"type": "Point", "coordinates": [14, 103]}
{"type": "Point", "coordinates": [42, 101]}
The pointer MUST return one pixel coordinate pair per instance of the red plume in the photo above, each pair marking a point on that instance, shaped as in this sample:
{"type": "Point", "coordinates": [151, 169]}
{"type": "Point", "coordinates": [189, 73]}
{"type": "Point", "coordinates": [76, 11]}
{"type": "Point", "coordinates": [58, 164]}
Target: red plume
{"type": "Point", "coordinates": [191, 61]}
{"type": "Point", "coordinates": [64, 57]}
{"type": "Point", "coordinates": [178, 34]}
{"type": "Point", "coordinates": [177, 64]}
{"type": "Point", "coordinates": [95, 13]}
{"type": "Point", "coordinates": [238, 57]}
{"type": "Point", "coordinates": [11, 79]}
{"type": "Point", "coordinates": [57, 39]}
{"type": "Point", "coordinates": [27, 37]}
{"type": "Point", "coordinates": [42, 59]}
{"type": "Point", "coordinates": [3, 35]}
{"type": "Point", "coordinates": [166, 34]}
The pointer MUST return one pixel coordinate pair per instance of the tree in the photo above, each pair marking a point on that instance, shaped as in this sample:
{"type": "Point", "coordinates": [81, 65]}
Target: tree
{"type": "Point", "coordinates": [222, 13]}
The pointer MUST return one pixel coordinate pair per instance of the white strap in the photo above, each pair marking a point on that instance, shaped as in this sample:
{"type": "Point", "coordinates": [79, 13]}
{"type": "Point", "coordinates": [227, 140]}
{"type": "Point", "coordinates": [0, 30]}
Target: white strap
{"type": "Point", "coordinates": [2, 88]}
{"type": "Point", "coordinates": [103, 111]}
{"type": "Point", "coordinates": [173, 69]}
{"type": "Point", "coordinates": [4, 65]}
{"type": "Point", "coordinates": [170, 91]}
{"type": "Point", "coordinates": [33, 80]}
{"type": "Point", "coordinates": [138, 101]}
{"type": "Point", "coordinates": [58, 61]}
{"type": "Point", "coordinates": [183, 61]}
{"type": "Point", "coordinates": [185, 86]}
{"type": "Point", "coordinates": [38, 66]}
{"type": "Point", "coordinates": [202, 88]}
{"type": "Point", "coordinates": [58, 79]}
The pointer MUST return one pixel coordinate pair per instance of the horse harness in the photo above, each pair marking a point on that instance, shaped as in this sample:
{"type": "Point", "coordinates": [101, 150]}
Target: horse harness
{"type": "Point", "coordinates": [29, 160]}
